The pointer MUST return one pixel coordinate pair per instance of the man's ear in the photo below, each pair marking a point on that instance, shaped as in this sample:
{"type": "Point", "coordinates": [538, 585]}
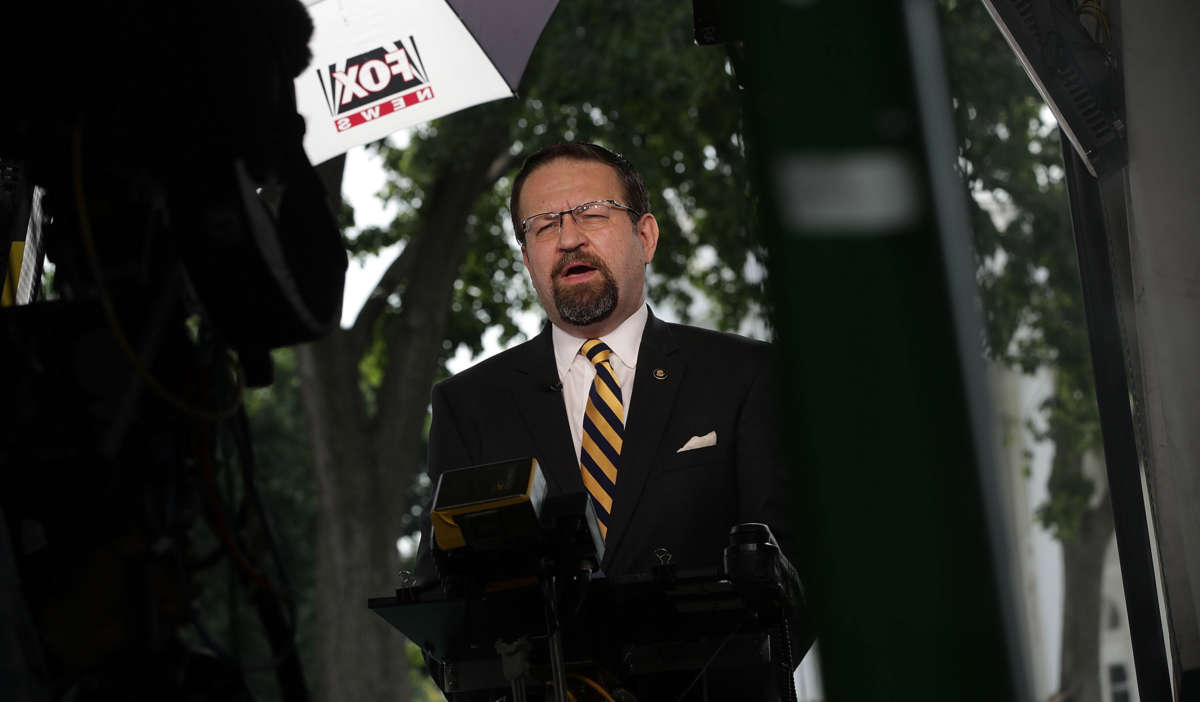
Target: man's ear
{"type": "Point", "coordinates": [647, 231]}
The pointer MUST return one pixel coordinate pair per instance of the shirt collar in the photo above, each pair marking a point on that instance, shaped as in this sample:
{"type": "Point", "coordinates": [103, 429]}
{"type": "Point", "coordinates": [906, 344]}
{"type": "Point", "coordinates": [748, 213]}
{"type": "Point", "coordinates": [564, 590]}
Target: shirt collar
{"type": "Point", "coordinates": [624, 341]}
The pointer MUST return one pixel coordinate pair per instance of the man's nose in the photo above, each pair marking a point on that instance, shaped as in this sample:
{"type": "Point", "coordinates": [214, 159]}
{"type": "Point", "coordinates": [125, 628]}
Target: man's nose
{"type": "Point", "coordinates": [569, 236]}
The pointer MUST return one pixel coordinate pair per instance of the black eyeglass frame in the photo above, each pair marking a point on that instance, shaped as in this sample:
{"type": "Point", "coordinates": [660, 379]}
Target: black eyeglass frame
{"type": "Point", "coordinates": [578, 209]}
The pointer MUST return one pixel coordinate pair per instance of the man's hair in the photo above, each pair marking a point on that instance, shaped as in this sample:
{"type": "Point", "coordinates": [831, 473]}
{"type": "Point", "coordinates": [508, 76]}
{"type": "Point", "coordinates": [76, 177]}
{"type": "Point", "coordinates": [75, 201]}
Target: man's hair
{"type": "Point", "coordinates": [631, 181]}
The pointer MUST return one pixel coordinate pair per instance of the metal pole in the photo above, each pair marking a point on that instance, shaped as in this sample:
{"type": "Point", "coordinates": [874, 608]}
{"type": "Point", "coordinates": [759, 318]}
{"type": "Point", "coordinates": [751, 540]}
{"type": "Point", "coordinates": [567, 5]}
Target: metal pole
{"type": "Point", "coordinates": [1117, 432]}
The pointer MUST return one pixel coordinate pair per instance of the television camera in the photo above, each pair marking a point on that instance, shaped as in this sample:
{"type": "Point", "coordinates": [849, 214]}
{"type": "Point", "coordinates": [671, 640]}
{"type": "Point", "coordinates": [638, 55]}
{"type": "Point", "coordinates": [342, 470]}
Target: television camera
{"type": "Point", "coordinates": [153, 155]}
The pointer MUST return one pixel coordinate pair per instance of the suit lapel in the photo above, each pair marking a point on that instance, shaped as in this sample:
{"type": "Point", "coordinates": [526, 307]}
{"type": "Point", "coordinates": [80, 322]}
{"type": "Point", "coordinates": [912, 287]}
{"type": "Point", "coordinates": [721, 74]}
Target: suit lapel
{"type": "Point", "coordinates": [656, 383]}
{"type": "Point", "coordinates": [541, 406]}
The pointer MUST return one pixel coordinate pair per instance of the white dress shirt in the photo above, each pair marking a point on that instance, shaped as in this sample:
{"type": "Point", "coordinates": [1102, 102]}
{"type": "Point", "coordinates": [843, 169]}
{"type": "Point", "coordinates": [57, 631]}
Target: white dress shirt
{"type": "Point", "coordinates": [576, 372]}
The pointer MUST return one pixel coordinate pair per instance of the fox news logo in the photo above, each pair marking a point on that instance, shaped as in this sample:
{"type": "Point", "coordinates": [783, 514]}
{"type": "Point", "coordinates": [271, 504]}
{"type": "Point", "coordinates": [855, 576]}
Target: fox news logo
{"type": "Point", "coordinates": [374, 84]}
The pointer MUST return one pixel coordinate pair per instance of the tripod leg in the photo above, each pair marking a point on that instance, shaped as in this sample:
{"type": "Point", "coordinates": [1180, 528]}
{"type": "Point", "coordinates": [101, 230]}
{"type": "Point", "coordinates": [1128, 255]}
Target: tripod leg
{"type": "Point", "coordinates": [558, 667]}
{"type": "Point", "coordinates": [518, 690]}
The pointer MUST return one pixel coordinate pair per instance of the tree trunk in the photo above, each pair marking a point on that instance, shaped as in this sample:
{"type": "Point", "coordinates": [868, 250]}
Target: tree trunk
{"type": "Point", "coordinates": [360, 659]}
{"type": "Point", "coordinates": [365, 464]}
{"type": "Point", "coordinates": [1083, 570]}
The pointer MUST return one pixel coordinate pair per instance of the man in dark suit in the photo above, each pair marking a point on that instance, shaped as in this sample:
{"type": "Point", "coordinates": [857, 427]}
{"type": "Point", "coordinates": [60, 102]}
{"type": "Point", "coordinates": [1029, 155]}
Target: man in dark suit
{"type": "Point", "coordinates": [668, 427]}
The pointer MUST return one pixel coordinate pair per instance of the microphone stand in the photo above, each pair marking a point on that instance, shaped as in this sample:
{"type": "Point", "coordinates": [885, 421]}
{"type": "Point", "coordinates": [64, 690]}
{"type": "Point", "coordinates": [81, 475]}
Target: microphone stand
{"type": "Point", "coordinates": [558, 666]}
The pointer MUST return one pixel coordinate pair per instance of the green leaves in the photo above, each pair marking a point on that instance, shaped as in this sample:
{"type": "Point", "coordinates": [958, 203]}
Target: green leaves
{"type": "Point", "coordinates": [1011, 160]}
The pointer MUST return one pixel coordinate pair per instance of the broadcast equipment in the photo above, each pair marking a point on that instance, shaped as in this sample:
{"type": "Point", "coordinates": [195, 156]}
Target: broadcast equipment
{"type": "Point", "coordinates": [490, 521]}
{"type": "Point", "coordinates": [528, 609]}
{"type": "Point", "coordinates": [188, 236]}
{"type": "Point", "coordinates": [482, 506]}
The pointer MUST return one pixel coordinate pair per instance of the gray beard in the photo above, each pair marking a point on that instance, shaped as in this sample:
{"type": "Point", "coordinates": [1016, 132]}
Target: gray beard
{"type": "Point", "coordinates": [583, 306]}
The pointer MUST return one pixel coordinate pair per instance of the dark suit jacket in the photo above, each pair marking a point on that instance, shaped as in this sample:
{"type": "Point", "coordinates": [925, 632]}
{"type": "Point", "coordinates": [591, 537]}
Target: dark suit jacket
{"type": "Point", "coordinates": [506, 407]}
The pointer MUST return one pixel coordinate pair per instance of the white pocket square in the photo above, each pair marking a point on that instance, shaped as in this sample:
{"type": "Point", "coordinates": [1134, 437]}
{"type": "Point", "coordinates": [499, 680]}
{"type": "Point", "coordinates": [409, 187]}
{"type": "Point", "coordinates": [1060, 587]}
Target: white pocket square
{"type": "Point", "coordinates": [709, 439]}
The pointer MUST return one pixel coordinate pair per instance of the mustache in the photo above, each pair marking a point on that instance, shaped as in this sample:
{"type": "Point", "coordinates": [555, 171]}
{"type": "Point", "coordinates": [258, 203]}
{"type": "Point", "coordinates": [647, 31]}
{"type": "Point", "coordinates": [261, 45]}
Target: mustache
{"type": "Point", "coordinates": [573, 257]}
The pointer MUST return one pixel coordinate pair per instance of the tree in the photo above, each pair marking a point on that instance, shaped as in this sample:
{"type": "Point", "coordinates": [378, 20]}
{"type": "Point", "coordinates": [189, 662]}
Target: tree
{"type": "Point", "coordinates": [1028, 278]}
{"type": "Point", "coordinates": [632, 81]}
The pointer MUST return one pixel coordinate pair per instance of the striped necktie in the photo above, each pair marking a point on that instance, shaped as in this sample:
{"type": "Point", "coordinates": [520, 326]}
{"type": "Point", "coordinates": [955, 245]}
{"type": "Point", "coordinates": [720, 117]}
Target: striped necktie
{"type": "Point", "coordinates": [603, 427]}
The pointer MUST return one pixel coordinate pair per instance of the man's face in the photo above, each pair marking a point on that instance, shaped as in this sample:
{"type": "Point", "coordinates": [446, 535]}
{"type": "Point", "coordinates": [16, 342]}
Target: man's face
{"type": "Point", "coordinates": [588, 281]}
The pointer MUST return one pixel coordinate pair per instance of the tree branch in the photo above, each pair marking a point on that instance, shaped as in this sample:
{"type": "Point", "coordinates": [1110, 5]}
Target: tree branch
{"type": "Point", "coordinates": [503, 163]}
{"type": "Point", "coordinates": [401, 269]}
{"type": "Point", "coordinates": [416, 342]}
{"type": "Point", "coordinates": [396, 274]}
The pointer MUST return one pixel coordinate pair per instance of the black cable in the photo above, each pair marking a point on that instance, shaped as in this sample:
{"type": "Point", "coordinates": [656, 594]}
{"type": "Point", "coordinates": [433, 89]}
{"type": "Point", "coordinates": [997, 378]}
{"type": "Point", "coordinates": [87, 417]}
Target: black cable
{"type": "Point", "coordinates": [781, 640]}
{"type": "Point", "coordinates": [246, 461]}
{"type": "Point", "coordinates": [186, 591]}
{"type": "Point", "coordinates": [280, 630]}
{"type": "Point", "coordinates": [261, 594]}
{"type": "Point", "coordinates": [713, 657]}
{"type": "Point", "coordinates": [281, 658]}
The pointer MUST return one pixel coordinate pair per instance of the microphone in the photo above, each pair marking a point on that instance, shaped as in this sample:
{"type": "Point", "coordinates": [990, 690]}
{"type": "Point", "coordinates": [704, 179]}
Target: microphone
{"type": "Point", "coordinates": [556, 386]}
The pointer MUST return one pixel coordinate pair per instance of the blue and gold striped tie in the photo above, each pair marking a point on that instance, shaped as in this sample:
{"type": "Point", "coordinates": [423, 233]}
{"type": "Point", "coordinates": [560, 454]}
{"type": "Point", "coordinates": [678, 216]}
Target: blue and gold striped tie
{"type": "Point", "coordinates": [603, 427]}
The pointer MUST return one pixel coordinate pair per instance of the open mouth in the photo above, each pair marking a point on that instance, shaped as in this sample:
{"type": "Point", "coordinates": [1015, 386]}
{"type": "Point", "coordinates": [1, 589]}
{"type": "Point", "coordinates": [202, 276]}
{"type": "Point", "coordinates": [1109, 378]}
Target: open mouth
{"type": "Point", "coordinates": [577, 271]}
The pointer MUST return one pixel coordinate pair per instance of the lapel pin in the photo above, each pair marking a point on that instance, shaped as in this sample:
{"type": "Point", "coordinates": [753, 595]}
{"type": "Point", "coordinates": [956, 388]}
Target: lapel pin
{"type": "Point", "coordinates": [660, 374]}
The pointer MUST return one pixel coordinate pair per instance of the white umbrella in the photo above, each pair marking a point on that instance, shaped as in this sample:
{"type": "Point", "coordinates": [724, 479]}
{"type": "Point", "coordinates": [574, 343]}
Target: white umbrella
{"type": "Point", "coordinates": [379, 67]}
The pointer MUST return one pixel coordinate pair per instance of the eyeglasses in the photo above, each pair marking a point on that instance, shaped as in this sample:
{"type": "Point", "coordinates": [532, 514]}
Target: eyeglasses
{"type": "Point", "coordinates": [590, 216]}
